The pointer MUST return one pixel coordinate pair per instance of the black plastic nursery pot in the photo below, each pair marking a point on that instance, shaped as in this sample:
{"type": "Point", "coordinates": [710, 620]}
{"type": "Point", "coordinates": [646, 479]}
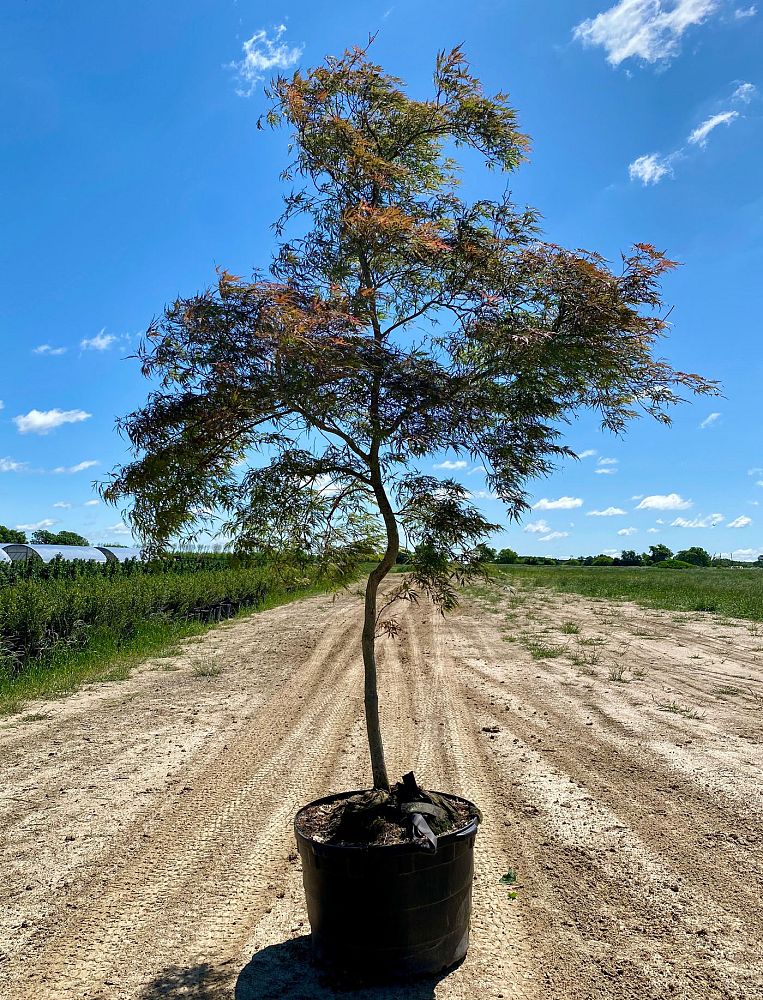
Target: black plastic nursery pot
{"type": "Point", "coordinates": [389, 911]}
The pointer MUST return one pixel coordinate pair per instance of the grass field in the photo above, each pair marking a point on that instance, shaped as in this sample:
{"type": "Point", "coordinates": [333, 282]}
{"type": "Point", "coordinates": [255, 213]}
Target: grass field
{"type": "Point", "coordinates": [736, 593]}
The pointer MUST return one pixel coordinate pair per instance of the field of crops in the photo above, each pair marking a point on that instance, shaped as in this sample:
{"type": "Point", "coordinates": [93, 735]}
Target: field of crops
{"type": "Point", "coordinates": [736, 593]}
{"type": "Point", "coordinates": [60, 621]}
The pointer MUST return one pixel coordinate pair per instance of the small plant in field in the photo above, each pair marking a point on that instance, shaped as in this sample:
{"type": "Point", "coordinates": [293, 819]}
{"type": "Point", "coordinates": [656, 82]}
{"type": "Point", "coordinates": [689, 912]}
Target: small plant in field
{"type": "Point", "coordinates": [570, 628]}
{"type": "Point", "coordinates": [754, 630]}
{"type": "Point", "coordinates": [540, 650]}
{"type": "Point", "coordinates": [638, 673]}
{"type": "Point", "coordinates": [509, 878]}
{"type": "Point", "coordinates": [727, 689]}
{"type": "Point", "coordinates": [206, 668]}
{"type": "Point", "coordinates": [617, 673]}
{"type": "Point", "coordinates": [676, 708]}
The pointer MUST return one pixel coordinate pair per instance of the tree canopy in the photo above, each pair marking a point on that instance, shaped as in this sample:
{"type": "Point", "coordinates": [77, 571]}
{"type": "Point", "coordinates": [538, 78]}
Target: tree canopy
{"type": "Point", "coordinates": [399, 320]}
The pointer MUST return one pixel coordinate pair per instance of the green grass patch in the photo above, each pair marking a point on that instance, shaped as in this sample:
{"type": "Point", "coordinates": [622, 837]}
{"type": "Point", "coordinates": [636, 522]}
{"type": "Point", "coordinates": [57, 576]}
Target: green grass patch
{"type": "Point", "coordinates": [733, 593]}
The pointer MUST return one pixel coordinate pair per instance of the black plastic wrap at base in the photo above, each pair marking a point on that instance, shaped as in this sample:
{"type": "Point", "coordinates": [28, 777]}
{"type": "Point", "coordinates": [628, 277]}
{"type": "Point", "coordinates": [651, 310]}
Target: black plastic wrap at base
{"type": "Point", "coordinates": [389, 911]}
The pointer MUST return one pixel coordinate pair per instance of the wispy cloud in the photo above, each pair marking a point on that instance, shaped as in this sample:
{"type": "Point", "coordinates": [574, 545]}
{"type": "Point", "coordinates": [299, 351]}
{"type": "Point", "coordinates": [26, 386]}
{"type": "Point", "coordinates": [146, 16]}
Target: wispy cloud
{"type": "Point", "coordinates": [63, 504]}
{"type": "Point", "coordinates": [37, 525]}
{"type": "Point", "coordinates": [262, 53]}
{"type": "Point", "coordinates": [49, 350]}
{"type": "Point", "coordinates": [742, 13]}
{"type": "Point", "coordinates": [588, 453]}
{"type": "Point", "coordinates": [608, 461]}
{"type": "Point", "coordinates": [537, 527]}
{"type": "Point", "coordinates": [698, 522]}
{"type": "Point", "coordinates": [100, 342]}
{"type": "Point", "coordinates": [627, 531]}
{"type": "Point", "coordinates": [452, 465]}
{"type": "Point", "coordinates": [607, 512]}
{"type": "Point", "coordinates": [664, 501]}
{"type": "Point", "coordinates": [701, 133]}
{"type": "Point", "coordinates": [118, 529]}
{"type": "Point", "coordinates": [562, 503]}
{"type": "Point", "coordinates": [650, 30]}
{"type": "Point", "coordinates": [11, 465]}
{"type": "Point", "coordinates": [553, 535]}
{"type": "Point", "coordinates": [91, 503]}
{"type": "Point", "coordinates": [739, 522]}
{"type": "Point", "coordinates": [73, 469]}
{"type": "Point", "coordinates": [44, 421]}
{"type": "Point", "coordinates": [651, 168]}
{"type": "Point", "coordinates": [745, 92]}
{"type": "Point", "coordinates": [605, 471]}
{"type": "Point", "coordinates": [709, 421]}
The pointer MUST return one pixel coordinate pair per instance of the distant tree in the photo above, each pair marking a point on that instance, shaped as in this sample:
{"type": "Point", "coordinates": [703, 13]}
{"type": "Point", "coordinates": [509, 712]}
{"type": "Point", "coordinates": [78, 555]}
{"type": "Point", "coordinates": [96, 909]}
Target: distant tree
{"type": "Point", "coordinates": [485, 553]}
{"type": "Point", "coordinates": [629, 557]}
{"type": "Point", "coordinates": [695, 555]}
{"type": "Point", "coordinates": [43, 537]}
{"type": "Point", "coordinates": [398, 321]}
{"type": "Point", "coordinates": [8, 535]}
{"type": "Point", "coordinates": [602, 560]}
{"type": "Point", "coordinates": [659, 552]}
{"type": "Point", "coordinates": [506, 556]}
{"type": "Point", "coordinates": [674, 564]}
{"type": "Point", "coordinates": [70, 538]}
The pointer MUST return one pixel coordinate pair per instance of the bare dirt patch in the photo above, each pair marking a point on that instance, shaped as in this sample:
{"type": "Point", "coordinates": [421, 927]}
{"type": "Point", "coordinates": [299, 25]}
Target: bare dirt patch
{"type": "Point", "coordinates": [615, 753]}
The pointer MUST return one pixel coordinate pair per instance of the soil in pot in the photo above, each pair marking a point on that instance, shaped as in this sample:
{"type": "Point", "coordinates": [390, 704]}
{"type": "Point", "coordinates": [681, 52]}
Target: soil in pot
{"type": "Point", "coordinates": [379, 818]}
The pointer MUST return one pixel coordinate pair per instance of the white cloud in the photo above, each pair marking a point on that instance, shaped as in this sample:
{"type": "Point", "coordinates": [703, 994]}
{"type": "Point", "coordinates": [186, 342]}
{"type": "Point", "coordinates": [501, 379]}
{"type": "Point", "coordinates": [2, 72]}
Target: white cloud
{"type": "Point", "coordinates": [745, 93]}
{"type": "Point", "coordinates": [537, 527]}
{"type": "Point", "coordinates": [72, 469]}
{"type": "Point", "coordinates": [605, 472]}
{"type": "Point", "coordinates": [669, 501]}
{"type": "Point", "coordinates": [37, 526]}
{"type": "Point", "coordinates": [43, 421]}
{"type": "Point", "coordinates": [709, 421]}
{"type": "Point", "coordinates": [11, 465]}
{"type": "Point", "coordinates": [47, 349]}
{"type": "Point", "coordinates": [627, 531]}
{"type": "Point", "coordinates": [587, 453]}
{"type": "Point", "coordinates": [118, 529]}
{"type": "Point", "coordinates": [2, 405]}
{"type": "Point", "coordinates": [652, 531]}
{"type": "Point", "coordinates": [484, 495]}
{"type": "Point", "coordinates": [759, 482]}
{"type": "Point", "coordinates": [63, 504]}
{"type": "Point", "coordinates": [91, 503]}
{"type": "Point", "coordinates": [643, 29]}
{"type": "Point", "coordinates": [607, 512]}
{"type": "Point", "coordinates": [452, 466]}
{"type": "Point", "coordinates": [562, 503]}
{"type": "Point", "coordinates": [263, 53]}
{"type": "Point", "coordinates": [476, 469]}
{"type": "Point", "coordinates": [637, 496]}
{"type": "Point", "coordinates": [608, 461]}
{"type": "Point", "coordinates": [744, 12]}
{"type": "Point", "coordinates": [739, 522]}
{"type": "Point", "coordinates": [553, 535]}
{"type": "Point", "coordinates": [746, 555]}
{"type": "Point", "coordinates": [100, 342]}
{"type": "Point", "coordinates": [701, 133]}
{"type": "Point", "coordinates": [651, 168]}
{"type": "Point", "coordinates": [754, 472]}
{"type": "Point", "coordinates": [698, 522]}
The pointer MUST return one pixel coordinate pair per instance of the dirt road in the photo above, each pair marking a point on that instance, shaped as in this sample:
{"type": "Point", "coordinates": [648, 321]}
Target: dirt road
{"type": "Point", "coordinates": [146, 840]}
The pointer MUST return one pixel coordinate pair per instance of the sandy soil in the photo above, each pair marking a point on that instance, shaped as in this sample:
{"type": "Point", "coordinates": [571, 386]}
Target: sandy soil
{"type": "Point", "coordinates": [146, 824]}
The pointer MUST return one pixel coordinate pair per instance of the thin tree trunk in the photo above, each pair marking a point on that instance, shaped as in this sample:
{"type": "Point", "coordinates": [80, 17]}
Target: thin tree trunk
{"type": "Point", "coordinates": [375, 577]}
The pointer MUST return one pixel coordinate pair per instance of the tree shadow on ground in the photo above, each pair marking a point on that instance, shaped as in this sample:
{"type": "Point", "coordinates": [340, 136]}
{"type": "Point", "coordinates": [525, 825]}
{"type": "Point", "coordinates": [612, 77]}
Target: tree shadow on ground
{"type": "Point", "coordinates": [282, 971]}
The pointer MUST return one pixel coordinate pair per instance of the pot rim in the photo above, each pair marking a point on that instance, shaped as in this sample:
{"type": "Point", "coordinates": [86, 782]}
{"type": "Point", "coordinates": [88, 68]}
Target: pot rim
{"type": "Point", "coordinates": [467, 830]}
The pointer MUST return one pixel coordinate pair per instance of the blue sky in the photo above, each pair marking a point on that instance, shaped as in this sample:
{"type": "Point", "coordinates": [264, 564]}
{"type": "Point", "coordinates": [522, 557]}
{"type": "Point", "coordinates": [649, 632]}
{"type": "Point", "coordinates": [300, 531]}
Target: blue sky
{"type": "Point", "coordinates": [131, 166]}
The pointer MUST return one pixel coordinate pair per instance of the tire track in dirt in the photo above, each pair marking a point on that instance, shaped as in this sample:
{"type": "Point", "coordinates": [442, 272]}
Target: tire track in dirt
{"type": "Point", "coordinates": [601, 774]}
{"type": "Point", "coordinates": [205, 873]}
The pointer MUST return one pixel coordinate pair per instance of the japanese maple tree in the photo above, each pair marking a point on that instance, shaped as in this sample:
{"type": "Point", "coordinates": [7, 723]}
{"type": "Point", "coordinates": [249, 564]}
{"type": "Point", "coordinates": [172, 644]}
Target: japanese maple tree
{"type": "Point", "coordinates": [398, 321]}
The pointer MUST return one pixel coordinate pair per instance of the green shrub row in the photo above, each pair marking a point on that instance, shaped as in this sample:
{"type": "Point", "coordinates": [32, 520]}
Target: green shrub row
{"type": "Point", "coordinates": [40, 618]}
